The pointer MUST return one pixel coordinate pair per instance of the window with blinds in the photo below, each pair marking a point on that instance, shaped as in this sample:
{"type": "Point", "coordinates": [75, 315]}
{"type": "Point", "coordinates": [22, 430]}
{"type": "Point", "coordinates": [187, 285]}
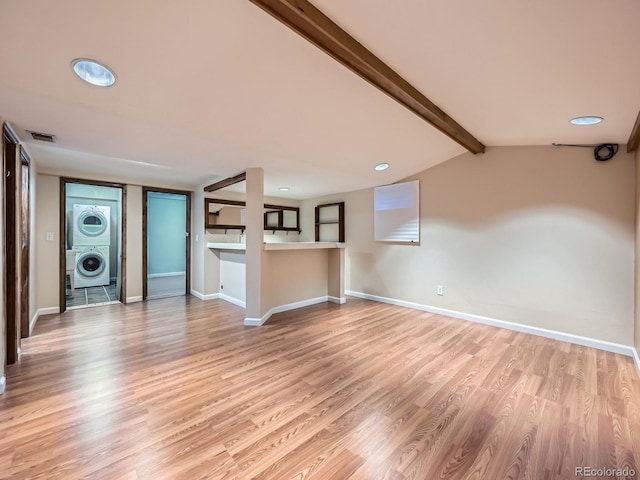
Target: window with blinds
{"type": "Point", "coordinates": [396, 212]}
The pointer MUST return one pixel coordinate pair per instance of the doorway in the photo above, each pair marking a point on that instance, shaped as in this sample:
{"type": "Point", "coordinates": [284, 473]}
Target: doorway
{"type": "Point", "coordinates": [166, 245]}
{"type": "Point", "coordinates": [92, 252]}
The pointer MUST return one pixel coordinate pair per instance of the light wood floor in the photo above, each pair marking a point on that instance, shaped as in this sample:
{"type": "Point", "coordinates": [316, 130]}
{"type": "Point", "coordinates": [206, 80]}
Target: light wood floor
{"type": "Point", "coordinates": [180, 389]}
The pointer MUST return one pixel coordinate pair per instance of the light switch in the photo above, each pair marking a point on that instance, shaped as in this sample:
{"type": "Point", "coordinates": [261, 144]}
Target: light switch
{"type": "Point", "coordinates": [50, 236]}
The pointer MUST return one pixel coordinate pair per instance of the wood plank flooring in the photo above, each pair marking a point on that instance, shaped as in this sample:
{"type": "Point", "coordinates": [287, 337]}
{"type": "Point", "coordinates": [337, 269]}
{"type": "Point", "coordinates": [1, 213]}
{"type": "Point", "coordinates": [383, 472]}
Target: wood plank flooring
{"type": "Point", "coordinates": [179, 389]}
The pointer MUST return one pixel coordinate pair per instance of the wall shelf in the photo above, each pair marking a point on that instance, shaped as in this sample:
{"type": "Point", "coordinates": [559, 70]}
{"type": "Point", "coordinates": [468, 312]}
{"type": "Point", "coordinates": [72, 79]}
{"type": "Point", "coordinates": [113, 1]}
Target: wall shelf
{"type": "Point", "coordinates": [277, 218]}
{"type": "Point", "coordinates": [330, 214]}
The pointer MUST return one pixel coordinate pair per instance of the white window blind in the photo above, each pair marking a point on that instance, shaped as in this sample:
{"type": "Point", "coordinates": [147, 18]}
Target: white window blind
{"type": "Point", "coordinates": [396, 214]}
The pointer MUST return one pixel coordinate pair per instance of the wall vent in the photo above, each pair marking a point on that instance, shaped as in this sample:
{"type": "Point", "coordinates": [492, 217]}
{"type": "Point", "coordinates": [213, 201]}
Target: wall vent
{"type": "Point", "coordinates": [43, 137]}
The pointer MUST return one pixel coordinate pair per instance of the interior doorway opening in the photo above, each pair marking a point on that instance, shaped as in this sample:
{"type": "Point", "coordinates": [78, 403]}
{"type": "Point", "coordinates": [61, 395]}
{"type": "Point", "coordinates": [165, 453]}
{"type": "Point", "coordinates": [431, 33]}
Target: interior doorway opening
{"type": "Point", "coordinates": [93, 245]}
{"type": "Point", "coordinates": [166, 243]}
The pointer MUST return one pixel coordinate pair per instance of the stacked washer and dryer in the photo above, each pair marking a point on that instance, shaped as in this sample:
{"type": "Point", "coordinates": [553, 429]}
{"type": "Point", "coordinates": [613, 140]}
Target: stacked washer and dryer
{"type": "Point", "coordinates": [91, 242]}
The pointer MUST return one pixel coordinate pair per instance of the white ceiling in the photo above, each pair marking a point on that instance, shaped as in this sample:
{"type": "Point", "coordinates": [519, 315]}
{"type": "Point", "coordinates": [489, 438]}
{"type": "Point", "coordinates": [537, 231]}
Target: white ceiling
{"type": "Point", "coordinates": [208, 88]}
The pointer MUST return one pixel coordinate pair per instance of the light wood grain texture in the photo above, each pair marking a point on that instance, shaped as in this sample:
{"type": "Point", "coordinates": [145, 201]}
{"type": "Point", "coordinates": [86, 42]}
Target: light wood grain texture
{"type": "Point", "coordinates": [181, 389]}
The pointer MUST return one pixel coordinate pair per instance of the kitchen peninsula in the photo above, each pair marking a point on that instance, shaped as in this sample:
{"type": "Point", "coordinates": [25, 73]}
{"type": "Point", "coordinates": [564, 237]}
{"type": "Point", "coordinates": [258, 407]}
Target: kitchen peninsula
{"type": "Point", "coordinates": [295, 274]}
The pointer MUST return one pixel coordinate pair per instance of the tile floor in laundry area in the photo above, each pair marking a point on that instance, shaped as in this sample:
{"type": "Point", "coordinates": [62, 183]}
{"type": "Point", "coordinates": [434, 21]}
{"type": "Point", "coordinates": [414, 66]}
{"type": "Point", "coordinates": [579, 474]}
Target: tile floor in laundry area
{"type": "Point", "coordinates": [84, 297]}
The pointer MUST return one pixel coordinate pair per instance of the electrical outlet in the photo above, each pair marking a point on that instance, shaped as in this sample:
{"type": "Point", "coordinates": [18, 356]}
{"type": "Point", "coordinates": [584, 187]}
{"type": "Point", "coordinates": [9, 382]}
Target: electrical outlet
{"type": "Point", "coordinates": [440, 292]}
{"type": "Point", "coordinates": [50, 236]}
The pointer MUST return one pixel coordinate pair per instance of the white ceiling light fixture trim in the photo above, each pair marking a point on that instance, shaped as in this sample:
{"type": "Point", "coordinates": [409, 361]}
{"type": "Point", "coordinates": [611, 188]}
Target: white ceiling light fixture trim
{"type": "Point", "coordinates": [586, 120]}
{"type": "Point", "coordinates": [93, 72]}
{"type": "Point", "coordinates": [382, 166]}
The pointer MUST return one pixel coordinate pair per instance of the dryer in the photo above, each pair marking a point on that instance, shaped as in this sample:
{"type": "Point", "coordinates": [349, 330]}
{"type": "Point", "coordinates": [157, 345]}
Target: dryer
{"type": "Point", "coordinates": [91, 225]}
{"type": "Point", "coordinates": [92, 266]}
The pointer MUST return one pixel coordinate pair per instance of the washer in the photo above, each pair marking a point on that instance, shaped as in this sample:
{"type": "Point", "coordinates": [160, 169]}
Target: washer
{"type": "Point", "coordinates": [92, 266]}
{"type": "Point", "coordinates": [91, 225]}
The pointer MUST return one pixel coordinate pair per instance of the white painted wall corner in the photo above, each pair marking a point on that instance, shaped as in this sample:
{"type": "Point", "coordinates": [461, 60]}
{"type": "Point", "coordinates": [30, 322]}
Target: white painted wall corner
{"type": "Point", "coordinates": [636, 358]}
{"type": "Point", "coordinates": [39, 312]}
{"type": "Point", "coordinates": [255, 322]}
{"type": "Point", "coordinates": [518, 327]}
{"type": "Point", "coordinates": [338, 300]}
{"type": "Point", "coordinates": [202, 296]}
{"type": "Point", "coordinates": [229, 299]}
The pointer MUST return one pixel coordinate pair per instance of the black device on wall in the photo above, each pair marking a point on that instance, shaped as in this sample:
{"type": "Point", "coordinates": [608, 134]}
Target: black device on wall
{"type": "Point", "coordinates": [601, 152]}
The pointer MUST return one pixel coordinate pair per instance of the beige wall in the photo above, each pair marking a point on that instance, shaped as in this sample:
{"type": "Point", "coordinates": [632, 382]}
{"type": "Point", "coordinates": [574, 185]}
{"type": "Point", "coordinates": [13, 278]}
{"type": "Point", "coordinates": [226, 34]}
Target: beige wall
{"type": "Point", "coordinates": [294, 276]}
{"type": "Point", "coordinates": [637, 263]}
{"type": "Point", "coordinates": [211, 272]}
{"type": "Point", "coordinates": [541, 236]}
{"type": "Point", "coordinates": [197, 241]}
{"type": "Point", "coordinates": [256, 271]}
{"type": "Point", "coordinates": [335, 272]}
{"type": "Point", "coordinates": [229, 215]}
{"type": "Point", "coordinates": [47, 213]}
{"type": "Point", "coordinates": [205, 263]}
{"type": "Point", "coordinates": [134, 243]}
{"type": "Point", "coordinates": [233, 274]}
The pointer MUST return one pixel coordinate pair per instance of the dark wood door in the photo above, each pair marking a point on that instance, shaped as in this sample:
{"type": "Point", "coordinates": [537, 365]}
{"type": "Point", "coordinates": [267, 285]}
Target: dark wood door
{"type": "Point", "coordinates": [10, 293]}
{"type": "Point", "coordinates": [25, 232]}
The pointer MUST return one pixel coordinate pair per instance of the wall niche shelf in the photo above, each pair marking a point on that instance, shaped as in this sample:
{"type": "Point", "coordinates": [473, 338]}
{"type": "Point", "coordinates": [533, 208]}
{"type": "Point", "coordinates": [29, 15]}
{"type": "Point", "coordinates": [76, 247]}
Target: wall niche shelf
{"type": "Point", "coordinates": [330, 214]}
{"type": "Point", "coordinates": [226, 215]}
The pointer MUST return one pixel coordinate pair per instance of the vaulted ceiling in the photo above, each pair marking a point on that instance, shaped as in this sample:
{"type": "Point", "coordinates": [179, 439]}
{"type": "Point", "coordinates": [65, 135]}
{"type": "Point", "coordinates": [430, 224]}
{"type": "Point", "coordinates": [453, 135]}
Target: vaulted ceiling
{"type": "Point", "coordinates": [208, 88]}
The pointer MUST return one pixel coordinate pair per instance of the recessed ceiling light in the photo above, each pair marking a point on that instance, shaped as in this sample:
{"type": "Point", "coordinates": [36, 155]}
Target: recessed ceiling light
{"type": "Point", "coordinates": [382, 166]}
{"type": "Point", "coordinates": [93, 72]}
{"type": "Point", "coordinates": [284, 189]}
{"type": "Point", "coordinates": [588, 120]}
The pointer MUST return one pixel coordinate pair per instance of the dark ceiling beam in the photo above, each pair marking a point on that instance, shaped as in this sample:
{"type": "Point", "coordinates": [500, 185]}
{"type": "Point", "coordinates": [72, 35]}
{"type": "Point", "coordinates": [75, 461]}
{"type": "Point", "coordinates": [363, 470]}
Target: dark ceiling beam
{"type": "Point", "coordinates": [226, 182]}
{"type": "Point", "coordinates": [634, 138]}
{"type": "Point", "coordinates": [305, 19]}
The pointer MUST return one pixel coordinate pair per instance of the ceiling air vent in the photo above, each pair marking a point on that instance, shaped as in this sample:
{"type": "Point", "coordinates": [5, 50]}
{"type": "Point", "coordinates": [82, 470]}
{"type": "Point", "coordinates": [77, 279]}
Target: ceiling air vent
{"type": "Point", "coordinates": [43, 137]}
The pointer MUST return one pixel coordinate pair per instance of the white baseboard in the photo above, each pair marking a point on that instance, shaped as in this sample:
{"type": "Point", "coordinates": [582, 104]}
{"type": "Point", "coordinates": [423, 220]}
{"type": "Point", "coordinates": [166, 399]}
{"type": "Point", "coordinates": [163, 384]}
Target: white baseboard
{"type": "Point", "coordinates": [636, 358]}
{"type": "Point", "coordinates": [518, 327]}
{"type": "Point", "coordinates": [235, 301]}
{"type": "Point", "coordinates": [256, 322]}
{"type": "Point", "coordinates": [39, 312]}
{"type": "Point", "coordinates": [33, 321]}
{"type": "Point", "coordinates": [202, 296]}
{"type": "Point", "coordinates": [3, 384]}
{"type": "Point", "coordinates": [338, 300]}
{"type": "Point", "coordinates": [168, 274]}
{"type": "Point", "coordinates": [134, 299]}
